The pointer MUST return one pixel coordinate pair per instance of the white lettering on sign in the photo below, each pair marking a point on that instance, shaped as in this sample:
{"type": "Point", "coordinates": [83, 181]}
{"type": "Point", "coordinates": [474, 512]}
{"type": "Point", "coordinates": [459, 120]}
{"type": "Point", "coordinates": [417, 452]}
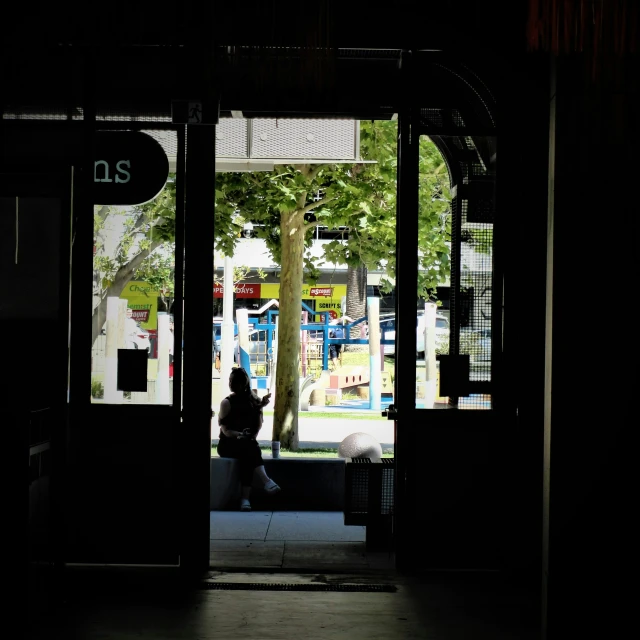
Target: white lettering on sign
{"type": "Point", "coordinates": [105, 171]}
{"type": "Point", "coordinates": [126, 163]}
{"type": "Point", "coordinates": [325, 292]}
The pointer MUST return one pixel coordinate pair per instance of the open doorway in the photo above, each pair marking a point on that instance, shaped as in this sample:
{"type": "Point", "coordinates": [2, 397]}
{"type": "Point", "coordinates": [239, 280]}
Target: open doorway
{"type": "Point", "coordinates": [349, 261]}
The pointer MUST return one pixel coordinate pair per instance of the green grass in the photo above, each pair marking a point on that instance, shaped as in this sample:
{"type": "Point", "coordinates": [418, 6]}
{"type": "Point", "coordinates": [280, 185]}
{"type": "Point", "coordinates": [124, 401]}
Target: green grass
{"type": "Point", "coordinates": [303, 453]}
{"type": "Point", "coordinates": [343, 415]}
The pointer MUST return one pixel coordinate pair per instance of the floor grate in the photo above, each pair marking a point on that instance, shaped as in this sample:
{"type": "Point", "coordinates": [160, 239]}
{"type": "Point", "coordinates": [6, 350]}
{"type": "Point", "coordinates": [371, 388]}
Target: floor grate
{"type": "Point", "coordinates": [259, 586]}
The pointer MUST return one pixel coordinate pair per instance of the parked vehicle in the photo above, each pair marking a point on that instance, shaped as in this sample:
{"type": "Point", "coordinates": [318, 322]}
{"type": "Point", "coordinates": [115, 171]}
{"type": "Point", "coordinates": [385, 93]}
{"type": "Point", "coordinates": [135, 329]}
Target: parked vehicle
{"type": "Point", "coordinates": [442, 333]}
{"type": "Point", "coordinates": [142, 339]}
{"type": "Point", "coordinates": [388, 332]}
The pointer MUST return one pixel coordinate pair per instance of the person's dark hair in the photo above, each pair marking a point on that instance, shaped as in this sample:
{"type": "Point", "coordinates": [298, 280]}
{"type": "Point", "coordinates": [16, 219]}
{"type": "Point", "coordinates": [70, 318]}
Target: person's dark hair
{"type": "Point", "coordinates": [240, 373]}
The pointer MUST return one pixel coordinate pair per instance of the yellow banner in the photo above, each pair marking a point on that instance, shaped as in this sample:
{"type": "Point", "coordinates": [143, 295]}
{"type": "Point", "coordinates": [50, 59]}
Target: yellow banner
{"type": "Point", "coordinates": [142, 299]}
{"type": "Point", "coordinates": [321, 297]}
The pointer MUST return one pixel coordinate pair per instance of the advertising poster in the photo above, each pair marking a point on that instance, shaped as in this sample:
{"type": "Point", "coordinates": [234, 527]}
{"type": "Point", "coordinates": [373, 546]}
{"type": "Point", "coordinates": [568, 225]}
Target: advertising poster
{"type": "Point", "coordinates": [142, 299]}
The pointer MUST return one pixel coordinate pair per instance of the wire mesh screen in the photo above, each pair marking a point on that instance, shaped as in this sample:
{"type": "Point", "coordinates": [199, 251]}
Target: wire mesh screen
{"type": "Point", "coordinates": [471, 161]}
{"type": "Point", "coordinates": [369, 489]}
{"type": "Point", "coordinates": [388, 485]}
{"type": "Point", "coordinates": [47, 113]}
{"type": "Point", "coordinates": [167, 138]}
{"type": "Point", "coordinates": [357, 486]}
{"type": "Point", "coordinates": [128, 114]}
{"type": "Point", "coordinates": [477, 213]}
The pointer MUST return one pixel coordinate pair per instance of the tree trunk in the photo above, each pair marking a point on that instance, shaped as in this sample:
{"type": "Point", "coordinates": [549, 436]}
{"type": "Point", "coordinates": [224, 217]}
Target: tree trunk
{"type": "Point", "coordinates": [287, 387]}
{"type": "Point", "coordinates": [122, 278]}
{"type": "Point", "coordinates": [356, 302]}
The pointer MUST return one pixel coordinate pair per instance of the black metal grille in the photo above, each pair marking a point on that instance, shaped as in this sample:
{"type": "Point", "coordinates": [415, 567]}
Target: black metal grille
{"type": "Point", "coordinates": [369, 490]}
{"type": "Point", "coordinates": [261, 586]}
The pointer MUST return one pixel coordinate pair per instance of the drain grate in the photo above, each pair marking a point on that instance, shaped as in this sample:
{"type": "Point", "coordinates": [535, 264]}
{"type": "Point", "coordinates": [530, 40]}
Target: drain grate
{"type": "Point", "coordinates": [261, 586]}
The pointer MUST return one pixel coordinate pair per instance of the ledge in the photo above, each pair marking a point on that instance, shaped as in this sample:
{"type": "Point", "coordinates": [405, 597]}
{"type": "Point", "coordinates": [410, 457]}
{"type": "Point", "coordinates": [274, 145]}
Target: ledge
{"type": "Point", "coordinates": [308, 484]}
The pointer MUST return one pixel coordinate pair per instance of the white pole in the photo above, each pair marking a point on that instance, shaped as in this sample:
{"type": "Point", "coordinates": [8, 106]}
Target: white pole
{"type": "Point", "coordinates": [111, 393]}
{"type": "Point", "coordinates": [375, 374]}
{"type": "Point", "coordinates": [226, 330]}
{"type": "Point", "coordinates": [430, 371]}
{"type": "Point", "coordinates": [122, 318]}
{"type": "Point", "coordinates": [242, 318]}
{"type": "Point", "coordinates": [274, 360]}
{"type": "Point", "coordinates": [162, 380]}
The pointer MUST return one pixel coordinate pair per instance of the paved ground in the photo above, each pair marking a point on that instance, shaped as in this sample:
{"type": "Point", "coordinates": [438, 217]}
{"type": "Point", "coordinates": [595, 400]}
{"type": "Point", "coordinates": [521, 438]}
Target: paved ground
{"type": "Point", "coordinates": [290, 540]}
{"type": "Point", "coordinates": [330, 432]}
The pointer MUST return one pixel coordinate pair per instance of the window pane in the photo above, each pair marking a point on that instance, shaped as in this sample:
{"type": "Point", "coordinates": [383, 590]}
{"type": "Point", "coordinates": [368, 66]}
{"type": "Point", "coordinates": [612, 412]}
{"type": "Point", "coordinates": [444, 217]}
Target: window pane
{"type": "Point", "coordinates": [133, 289]}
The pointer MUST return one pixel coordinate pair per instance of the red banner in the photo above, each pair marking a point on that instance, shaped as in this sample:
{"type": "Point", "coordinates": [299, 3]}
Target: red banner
{"type": "Point", "coordinates": [140, 315]}
{"type": "Point", "coordinates": [324, 292]}
{"type": "Point", "coordinates": [242, 290]}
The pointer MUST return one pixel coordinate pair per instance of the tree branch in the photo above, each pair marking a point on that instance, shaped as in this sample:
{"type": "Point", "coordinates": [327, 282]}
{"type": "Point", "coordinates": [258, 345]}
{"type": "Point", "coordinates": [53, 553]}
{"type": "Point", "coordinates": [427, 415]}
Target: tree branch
{"type": "Point", "coordinates": [311, 225]}
{"type": "Point", "coordinates": [315, 171]}
{"type": "Point", "coordinates": [315, 205]}
{"type": "Point", "coordinates": [127, 269]}
{"type": "Point", "coordinates": [302, 198]}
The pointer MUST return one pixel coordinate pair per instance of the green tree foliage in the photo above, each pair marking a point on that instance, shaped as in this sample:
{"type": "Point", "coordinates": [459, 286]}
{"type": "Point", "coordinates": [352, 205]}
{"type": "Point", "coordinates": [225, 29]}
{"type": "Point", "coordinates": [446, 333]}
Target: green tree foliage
{"type": "Point", "coordinates": [125, 244]}
{"type": "Point", "coordinates": [372, 229]}
{"type": "Point", "coordinates": [291, 201]}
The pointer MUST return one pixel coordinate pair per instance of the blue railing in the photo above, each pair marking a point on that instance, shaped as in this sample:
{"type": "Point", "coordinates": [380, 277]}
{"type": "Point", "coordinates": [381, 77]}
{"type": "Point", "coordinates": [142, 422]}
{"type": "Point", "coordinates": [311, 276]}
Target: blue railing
{"type": "Point", "coordinates": [325, 327]}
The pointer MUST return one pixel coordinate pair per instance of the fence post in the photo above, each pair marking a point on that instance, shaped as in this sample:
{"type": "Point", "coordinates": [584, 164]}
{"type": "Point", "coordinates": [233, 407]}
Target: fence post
{"type": "Point", "coordinates": [242, 318]}
{"type": "Point", "coordinates": [375, 375]}
{"type": "Point", "coordinates": [162, 377]}
{"type": "Point", "coordinates": [111, 393]}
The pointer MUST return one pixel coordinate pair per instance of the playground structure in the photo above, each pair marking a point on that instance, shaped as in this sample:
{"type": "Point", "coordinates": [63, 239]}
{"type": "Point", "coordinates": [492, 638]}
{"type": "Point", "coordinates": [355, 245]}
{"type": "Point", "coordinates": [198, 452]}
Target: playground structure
{"type": "Point", "coordinates": [314, 356]}
{"type": "Point", "coordinates": [319, 385]}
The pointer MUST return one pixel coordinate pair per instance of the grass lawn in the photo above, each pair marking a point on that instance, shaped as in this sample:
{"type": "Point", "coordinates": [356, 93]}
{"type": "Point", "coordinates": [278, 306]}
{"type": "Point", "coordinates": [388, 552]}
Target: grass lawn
{"type": "Point", "coordinates": [346, 414]}
{"type": "Point", "coordinates": [303, 453]}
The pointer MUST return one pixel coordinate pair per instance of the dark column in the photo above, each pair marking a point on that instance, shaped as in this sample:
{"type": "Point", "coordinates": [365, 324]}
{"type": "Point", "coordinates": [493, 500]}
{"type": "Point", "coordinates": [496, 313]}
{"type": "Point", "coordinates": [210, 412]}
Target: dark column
{"type": "Point", "coordinates": [591, 373]}
{"type": "Point", "coordinates": [198, 339]}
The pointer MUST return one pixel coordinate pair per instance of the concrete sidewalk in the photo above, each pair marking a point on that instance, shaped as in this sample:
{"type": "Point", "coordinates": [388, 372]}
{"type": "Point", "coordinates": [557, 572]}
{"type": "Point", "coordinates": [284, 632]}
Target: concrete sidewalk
{"type": "Point", "coordinates": [290, 540]}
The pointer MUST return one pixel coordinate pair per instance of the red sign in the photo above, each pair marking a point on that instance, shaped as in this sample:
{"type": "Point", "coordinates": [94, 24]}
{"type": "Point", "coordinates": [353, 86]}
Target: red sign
{"type": "Point", "coordinates": [242, 290]}
{"type": "Point", "coordinates": [324, 292]}
{"type": "Point", "coordinates": [140, 315]}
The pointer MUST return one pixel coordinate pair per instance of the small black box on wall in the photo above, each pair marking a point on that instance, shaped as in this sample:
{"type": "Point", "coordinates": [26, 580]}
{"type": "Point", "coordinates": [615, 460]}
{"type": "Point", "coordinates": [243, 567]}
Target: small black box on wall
{"type": "Point", "coordinates": [454, 376]}
{"type": "Point", "coordinates": [132, 369]}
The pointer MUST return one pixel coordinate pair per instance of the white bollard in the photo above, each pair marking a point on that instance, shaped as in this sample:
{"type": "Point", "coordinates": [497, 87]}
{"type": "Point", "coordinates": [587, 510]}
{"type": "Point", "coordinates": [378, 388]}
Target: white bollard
{"type": "Point", "coordinates": [375, 373]}
{"type": "Point", "coordinates": [111, 393]}
{"type": "Point", "coordinates": [226, 330]}
{"type": "Point", "coordinates": [430, 366]}
{"type": "Point", "coordinates": [162, 380]}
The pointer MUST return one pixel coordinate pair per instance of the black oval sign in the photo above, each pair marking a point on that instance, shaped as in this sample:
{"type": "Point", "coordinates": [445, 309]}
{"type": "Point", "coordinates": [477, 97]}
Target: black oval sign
{"type": "Point", "coordinates": [130, 167]}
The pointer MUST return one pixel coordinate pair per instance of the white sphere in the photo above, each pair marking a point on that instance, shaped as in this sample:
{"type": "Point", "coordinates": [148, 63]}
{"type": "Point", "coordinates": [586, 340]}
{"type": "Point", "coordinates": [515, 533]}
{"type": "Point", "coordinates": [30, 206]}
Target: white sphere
{"type": "Point", "coordinates": [360, 445]}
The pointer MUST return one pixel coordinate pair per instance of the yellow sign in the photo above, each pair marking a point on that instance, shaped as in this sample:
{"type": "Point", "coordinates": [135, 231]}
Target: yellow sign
{"type": "Point", "coordinates": [321, 297]}
{"type": "Point", "coordinates": [385, 382]}
{"type": "Point", "coordinates": [142, 299]}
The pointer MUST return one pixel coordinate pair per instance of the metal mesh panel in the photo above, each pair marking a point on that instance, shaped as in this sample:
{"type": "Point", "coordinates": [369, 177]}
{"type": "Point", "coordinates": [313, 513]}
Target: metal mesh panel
{"type": "Point", "coordinates": [388, 483]}
{"type": "Point", "coordinates": [358, 485]}
{"type": "Point", "coordinates": [369, 489]}
{"type": "Point", "coordinates": [127, 114]}
{"type": "Point", "coordinates": [431, 117]}
{"type": "Point", "coordinates": [35, 113]}
{"type": "Point", "coordinates": [477, 249]}
{"type": "Point", "coordinates": [457, 118]}
{"type": "Point", "coordinates": [231, 138]}
{"type": "Point", "coordinates": [315, 139]}
{"type": "Point", "coordinates": [167, 138]}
